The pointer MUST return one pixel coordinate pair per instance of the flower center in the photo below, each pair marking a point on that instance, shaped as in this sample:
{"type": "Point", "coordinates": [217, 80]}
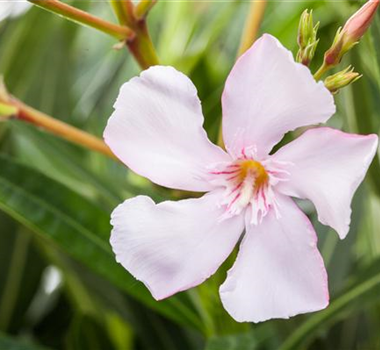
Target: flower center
{"type": "Point", "coordinates": [248, 185]}
{"type": "Point", "coordinates": [254, 170]}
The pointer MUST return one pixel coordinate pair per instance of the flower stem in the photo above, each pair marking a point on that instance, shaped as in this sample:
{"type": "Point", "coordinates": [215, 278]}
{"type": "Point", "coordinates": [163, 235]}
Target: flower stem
{"type": "Point", "coordinates": [128, 9]}
{"type": "Point", "coordinates": [141, 46]}
{"type": "Point", "coordinates": [119, 10]}
{"type": "Point", "coordinates": [143, 7]}
{"type": "Point", "coordinates": [59, 128]}
{"type": "Point", "coordinates": [73, 14]}
{"type": "Point", "coordinates": [322, 70]}
{"type": "Point", "coordinates": [136, 35]}
{"type": "Point", "coordinates": [252, 25]}
{"type": "Point", "coordinates": [124, 12]}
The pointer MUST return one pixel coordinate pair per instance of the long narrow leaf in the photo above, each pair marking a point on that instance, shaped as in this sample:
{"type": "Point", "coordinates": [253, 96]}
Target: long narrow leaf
{"type": "Point", "coordinates": [78, 227]}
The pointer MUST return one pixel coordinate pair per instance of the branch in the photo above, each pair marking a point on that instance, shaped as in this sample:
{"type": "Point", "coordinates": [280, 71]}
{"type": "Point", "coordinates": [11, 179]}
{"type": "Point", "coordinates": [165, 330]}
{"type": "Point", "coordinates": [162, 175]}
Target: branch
{"type": "Point", "coordinates": [124, 12]}
{"type": "Point", "coordinates": [143, 7]}
{"type": "Point", "coordinates": [30, 115]}
{"type": "Point", "coordinates": [252, 25]}
{"type": "Point", "coordinates": [137, 39]}
{"type": "Point", "coordinates": [78, 16]}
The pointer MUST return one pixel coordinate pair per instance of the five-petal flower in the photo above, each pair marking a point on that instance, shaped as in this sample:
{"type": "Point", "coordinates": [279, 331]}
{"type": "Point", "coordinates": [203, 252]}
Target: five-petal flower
{"type": "Point", "coordinates": [157, 131]}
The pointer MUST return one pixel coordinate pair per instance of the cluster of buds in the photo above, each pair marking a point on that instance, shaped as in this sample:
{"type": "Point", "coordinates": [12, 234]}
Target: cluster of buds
{"type": "Point", "coordinates": [307, 38]}
{"type": "Point", "coordinates": [345, 39]}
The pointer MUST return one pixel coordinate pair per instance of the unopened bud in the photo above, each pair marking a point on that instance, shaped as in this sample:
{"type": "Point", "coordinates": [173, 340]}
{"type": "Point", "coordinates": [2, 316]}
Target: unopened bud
{"type": "Point", "coordinates": [341, 79]}
{"type": "Point", "coordinates": [307, 38]}
{"type": "Point", "coordinates": [360, 21]}
{"type": "Point", "coordinates": [305, 29]}
{"type": "Point", "coordinates": [351, 33]}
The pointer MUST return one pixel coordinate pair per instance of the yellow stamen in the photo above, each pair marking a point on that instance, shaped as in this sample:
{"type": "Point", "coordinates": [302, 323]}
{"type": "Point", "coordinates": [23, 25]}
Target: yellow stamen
{"type": "Point", "coordinates": [255, 169]}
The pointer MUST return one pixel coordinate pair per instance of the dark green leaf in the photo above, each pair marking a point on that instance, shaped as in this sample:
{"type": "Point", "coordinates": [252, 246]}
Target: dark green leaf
{"type": "Point", "coordinates": [361, 292]}
{"type": "Point", "coordinates": [78, 227]}
{"type": "Point", "coordinates": [8, 343]}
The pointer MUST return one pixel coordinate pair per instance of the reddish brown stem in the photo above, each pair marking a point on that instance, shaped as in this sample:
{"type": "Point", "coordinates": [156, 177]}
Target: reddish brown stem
{"type": "Point", "coordinates": [141, 46]}
{"type": "Point", "coordinates": [59, 128]}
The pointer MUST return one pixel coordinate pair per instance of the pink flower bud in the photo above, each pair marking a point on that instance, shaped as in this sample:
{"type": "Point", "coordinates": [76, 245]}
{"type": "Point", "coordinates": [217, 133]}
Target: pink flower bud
{"type": "Point", "coordinates": [359, 22]}
{"type": "Point", "coordinates": [353, 30]}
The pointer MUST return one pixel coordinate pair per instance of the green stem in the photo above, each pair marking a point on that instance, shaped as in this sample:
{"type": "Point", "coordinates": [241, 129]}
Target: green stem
{"type": "Point", "coordinates": [322, 70]}
{"type": "Point", "coordinates": [141, 46]}
{"type": "Point", "coordinates": [84, 18]}
{"type": "Point", "coordinates": [137, 39]}
{"type": "Point", "coordinates": [143, 7]}
{"type": "Point", "coordinates": [124, 11]}
{"type": "Point", "coordinates": [119, 11]}
{"type": "Point", "coordinates": [129, 11]}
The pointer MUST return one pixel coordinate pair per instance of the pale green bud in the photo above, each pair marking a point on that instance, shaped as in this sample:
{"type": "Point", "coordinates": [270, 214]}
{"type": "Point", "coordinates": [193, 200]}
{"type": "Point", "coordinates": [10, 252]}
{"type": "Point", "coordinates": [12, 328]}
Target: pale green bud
{"type": "Point", "coordinates": [307, 38]}
{"type": "Point", "coordinates": [341, 79]}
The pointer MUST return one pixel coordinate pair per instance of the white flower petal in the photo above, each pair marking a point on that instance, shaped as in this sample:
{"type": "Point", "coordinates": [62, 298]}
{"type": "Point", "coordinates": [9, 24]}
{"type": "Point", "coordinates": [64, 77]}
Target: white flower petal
{"type": "Point", "coordinates": [328, 167]}
{"type": "Point", "coordinates": [279, 272]}
{"type": "Point", "coordinates": [173, 246]}
{"type": "Point", "coordinates": [266, 95]}
{"type": "Point", "coordinates": [156, 130]}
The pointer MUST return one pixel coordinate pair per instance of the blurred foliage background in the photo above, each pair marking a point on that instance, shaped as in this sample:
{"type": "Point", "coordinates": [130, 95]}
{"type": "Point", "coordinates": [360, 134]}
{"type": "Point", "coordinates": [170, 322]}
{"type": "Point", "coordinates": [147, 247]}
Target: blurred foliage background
{"type": "Point", "coordinates": [60, 287]}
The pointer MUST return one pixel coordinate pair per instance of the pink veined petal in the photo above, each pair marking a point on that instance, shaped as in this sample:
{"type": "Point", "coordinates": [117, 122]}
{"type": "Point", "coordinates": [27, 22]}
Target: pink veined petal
{"type": "Point", "coordinates": [173, 246]}
{"type": "Point", "coordinates": [328, 167]}
{"type": "Point", "coordinates": [279, 272]}
{"type": "Point", "coordinates": [268, 94]}
{"type": "Point", "coordinates": [157, 130]}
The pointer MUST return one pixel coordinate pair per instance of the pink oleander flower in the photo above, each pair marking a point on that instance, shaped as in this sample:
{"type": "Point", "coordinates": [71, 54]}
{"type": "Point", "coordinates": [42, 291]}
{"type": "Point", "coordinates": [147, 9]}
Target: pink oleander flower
{"type": "Point", "coordinates": [156, 130]}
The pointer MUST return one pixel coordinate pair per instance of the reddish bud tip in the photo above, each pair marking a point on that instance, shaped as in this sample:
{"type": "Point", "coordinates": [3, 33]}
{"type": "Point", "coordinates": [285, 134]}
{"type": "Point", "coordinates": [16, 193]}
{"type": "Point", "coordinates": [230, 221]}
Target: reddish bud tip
{"type": "Point", "coordinates": [359, 22]}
